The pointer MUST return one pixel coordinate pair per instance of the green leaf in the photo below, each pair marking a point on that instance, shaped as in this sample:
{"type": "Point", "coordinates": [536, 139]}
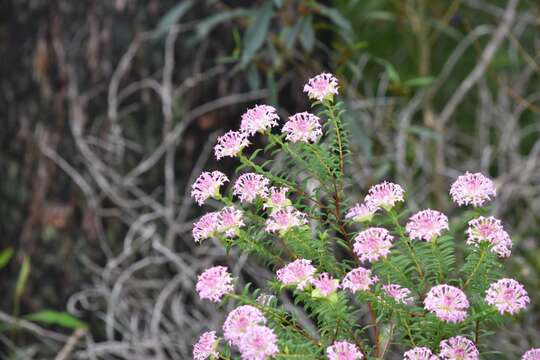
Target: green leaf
{"type": "Point", "coordinates": [5, 256]}
{"type": "Point", "coordinates": [172, 16]}
{"type": "Point", "coordinates": [52, 317]}
{"type": "Point", "coordinates": [420, 81]}
{"type": "Point", "coordinates": [22, 279]}
{"type": "Point", "coordinates": [307, 33]}
{"type": "Point", "coordinates": [208, 24]}
{"type": "Point", "coordinates": [335, 16]}
{"type": "Point", "coordinates": [256, 33]}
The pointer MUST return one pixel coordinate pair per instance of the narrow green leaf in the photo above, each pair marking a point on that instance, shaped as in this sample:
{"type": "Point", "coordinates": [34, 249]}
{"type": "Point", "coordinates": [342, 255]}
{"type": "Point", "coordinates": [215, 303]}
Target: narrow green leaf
{"type": "Point", "coordinates": [208, 24]}
{"type": "Point", "coordinates": [172, 16]}
{"type": "Point", "coordinates": [52, 317]}
{"type": "Point", "coordinates": [307, 33]}
{"type": "Point", "coordinates": [5, 256]}
{"type": "Point", "coordinates": [22, 279]}
{"type": "Point", "coordinates": [420, 81]}
{"type": "Point", "coordinates": [256, 33]}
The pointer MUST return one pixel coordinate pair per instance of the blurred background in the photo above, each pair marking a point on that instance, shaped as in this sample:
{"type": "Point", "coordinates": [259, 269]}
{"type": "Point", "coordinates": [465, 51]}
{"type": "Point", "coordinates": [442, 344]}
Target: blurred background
{"type": "Point", "coordinates": [110, 110]}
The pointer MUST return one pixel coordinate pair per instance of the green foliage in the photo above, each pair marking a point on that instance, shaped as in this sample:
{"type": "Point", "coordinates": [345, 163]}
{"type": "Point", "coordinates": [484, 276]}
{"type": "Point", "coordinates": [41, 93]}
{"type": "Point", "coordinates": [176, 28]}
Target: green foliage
{"type": "Point", "coordinates": [51, 317]}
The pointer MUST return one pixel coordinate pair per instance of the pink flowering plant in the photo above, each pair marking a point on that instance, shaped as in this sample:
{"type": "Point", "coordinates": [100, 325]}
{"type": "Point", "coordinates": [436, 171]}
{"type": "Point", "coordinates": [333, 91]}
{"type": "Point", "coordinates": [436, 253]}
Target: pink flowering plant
{"type": "Point", "coordinates": [372, 277]}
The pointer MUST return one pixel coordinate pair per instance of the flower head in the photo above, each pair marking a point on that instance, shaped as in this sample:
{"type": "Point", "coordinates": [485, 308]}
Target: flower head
{"type": "Point", "coordinates": [447, 302]}
{"type": "Point", "coordinates": [325, 285]}
{"type": "Point", "coordinates": [458, 348]}
{"type": "Point", "coordinates": [372, 244]}
{"type": "Point", "coordinates": [230, 220]}
{"type": "Point", "coordinates": [532, 354]}
{"type": "Point", "coordinates": [490, 230]}
{"type": "Point", "coordinates": [322, 87]}
{"type": "Point", "coordinates": [230, 144]}
{"type": "Point", "coordinates": [361, 212]}
{"type": "Point", "coordinates": [258, 119]}
{"type": "Point", "coordinates": [205, 227]}
{"type": "Point", "coordinates": [285, 219]}
{"type": "Point", "coordinates": [474, 189]}
{"type": "Point", "coordinates": [419, 353]}
{"type": "Point", "coordinates": [303, 127]}
{"type": "Point", "coordinates": [400, 294]}
{"type": "Point", "coordinates": [299, 272]}
{"type": "Point", "coordinates": [385, 195]}
{"type": "Point", "coordinates": [249, 186]}
{"type": "Point", "coordinates": [358, 279]}
{"type": "Point", "coordinates": [277, 199]}
{"type": "Point", "coordinates": [207, 185]}
{"type": "Point", "coordinates": [239, 321]}
{"type": "Point", "coordinates": [507, 295]}
{"type": "Point", "coordinates": [343, 350]}
{"type": "Point", "coordinates": [205, 346]}
{"type": "Point", "coordinates": [258, 343]}
{"type": "Point", "coordinates": [214, 283]}
{"type": "Point", "coordinates": [426, 225]}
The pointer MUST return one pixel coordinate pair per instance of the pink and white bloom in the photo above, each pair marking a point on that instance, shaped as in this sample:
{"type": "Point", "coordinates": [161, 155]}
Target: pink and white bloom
{"type": "Point", "coordinates": [207, 186]}
{"type": "Point", "coordinates": [358, 279]}
{"type": "Point", "coordinates": [507, 295]}
{"type": "Point", "coordinates": [449, 303]}
{"type": "Point", "coordinates": [258, 343]}
{"type": "Point", "coordinates": [259, 118]}
{"type": "Point", "coordinates": [285, 219]}
{"type": "Point", "coordinates": [206, 227]}
{"type": "Point", "coordinates": [249, 186]}
{"type": "Point", "coordinates": [230, 144]}
{"type": "Point", "coordinates": [426, 225]}
{"type": "Point", "coordinates": [205, 346]}
{"type": "Point", "coordinates": [304, 127]}
{"type": "Point", "coordinates": [214, 283]}
{"type": "Point", "coordinates": [343, 350]}
{"type": "Point", "coordinates": [239, 321]}
{"type": "Point", "coordinates": [458, 348]}
{"type": "Point", "coordinates": [361, 212]}
{"type": "Point", "coordinates": [399, 293]}
{"type": "Point", "coordinates": [325, 285]}
{"type": "Point", "coordinates": [472, 189]}
{"type": "Point", "coordinates": [277, 199]}
{"type": "Point", "coordinates": [490, 230]}
{"type": "Point", "coordinates": [230, 220]}
{"type": "Point", "coordinates": [532, 354]}
{"type": "Point", "coordinates": [385, 195]}
{"type": "Point", "coordinates": [372, 244]}
{"type": "Point", "coordinates": [322, 87]}
{"type": "Point", "coordinates": [420, 353]}
{"type": "Point", "coordinates": [299, 273]}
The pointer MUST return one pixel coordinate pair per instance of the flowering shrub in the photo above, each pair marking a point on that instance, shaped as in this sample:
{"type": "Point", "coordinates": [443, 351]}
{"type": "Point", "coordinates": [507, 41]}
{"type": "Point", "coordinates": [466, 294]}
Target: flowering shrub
{"type": "Point", "coordinates": [368, 275]}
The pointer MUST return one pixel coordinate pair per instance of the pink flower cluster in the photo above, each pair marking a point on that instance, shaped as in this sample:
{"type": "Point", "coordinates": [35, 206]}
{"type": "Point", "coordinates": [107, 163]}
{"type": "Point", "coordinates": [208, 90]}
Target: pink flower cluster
{"type": "Point", "coordinates": [532, 354]}
{"type": "Point", "coordinates": [277, 199]}
{"type": "Point", "coordinates": [227, 221]}
{"type": "Point", "coordinates": [458, 348]}
{"type": "Point", "coordinates": [283, 220]}
{"type": "Point", "coordinates": [325, 285]}
{"type": "Point", "coordinates": [372, 244]}
{"type": "Point", "coordinates": [490, 230]}
{"type": "Point", "coordinates": [249, 186]}
{"type": "Point", "coordinates": [507, 295]}
{"type": "Point", "coordinates": [384, 195]}
{"type": "Point", "coordinates": [205, 346]}
{"type": "Point", "coordinates": [230, 144]}
{"type": "Point", "coordinates": [472, 189]}
{"type": "Point", "coordinates": [343, 350]}
{"type": "Point", "coordinates": [322, 87]}
{"type": "Point", "coordinates": [207, 185]}
{"type": "Point", "coordinates": [299, 273]}
{"type": "Point", "coordinates": [419, 353]}
{"type": "Point", "coordinates": [447, 302]}
{"type": "Point", "coordinates": [214, 283]}
{"type": "Point", "coordinates": [358, 279]}
{"type": "Point", "coordinates": [206, 227]}
{"type": "Point", "coordinates": [400, 294]}
{"type": "Point", "coordinates": [260, 118]}
{"type": "Point", "coordinates": [426, 225]}
{"type": "Point", "coordinates": [303, 127]}
{"type": "Point", "coordinates": [361, 213]}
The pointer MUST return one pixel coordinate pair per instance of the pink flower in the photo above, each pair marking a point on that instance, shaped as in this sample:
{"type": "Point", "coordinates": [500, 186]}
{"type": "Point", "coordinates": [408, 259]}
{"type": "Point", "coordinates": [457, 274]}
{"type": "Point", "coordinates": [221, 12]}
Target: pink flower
{"type": "Point", "coordinates": [249, 186]}
{"type": "Point", "coordinates": [230, 144]}
{"type": "Point", "coordinates": [214, 283]}
{"type": "Point", "coordinates": [277, 199]}
{"type": "Point", "coordinates": [322, 87]}
{"type": "Point", "coordinates": [343, 350]}
{"type": "Point", "coordinates": [458, 348]}
{"type": "Point", "coordinates": [419, 353]}
{"type": "Point", "coordinates": [258, 343]}
{"type": "Point", "coordinates": [207, 185]}
{"type": "Point", "coordinates": [258, 119]}
{"type": "Point", "coordinates": [373, 244]}
{"type": "Point", "coordinates": [400, 294]}
{"type": "Point", "coordinates": [384, 195]}
{"type": "Point", "coordinates": [361, 213]}
{"type": "Point", "coordinates": [426, 225]}
{"type": "Point", "coordinates": [285, 219]}
{"type": "Point", "coordinates": [230, 220]}
{"type": "Point", "coordinates": [447, 302]}
{"type": "Point", "coordinates": [358, 279]}
{"type": "Point", "coordinates": [239, 321]}
{"type": "Point", "coordinates": [532, 354]}
{"type": "Point", "coordinates": [299, 272]}
{"type": "Point", "coordinates": [490, 230]}
{"type": "Point", "coordinates": [474, 189]}
{"type": "Point", "coordinates": [507, 295]}
{"type": "Point", "coordinates": [205, 346]}
{"type": "Point", "coordinates": [206, 226]}
{"type": "Point", "coordinates": [325, 285]}
{"type": "Point", "coordinates": [303, 127]}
